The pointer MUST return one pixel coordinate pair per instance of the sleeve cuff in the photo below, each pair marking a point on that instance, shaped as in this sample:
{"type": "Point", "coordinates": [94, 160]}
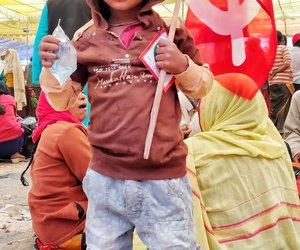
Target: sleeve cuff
{"type": "Point", "coordinates": [195, 81]}
{"type": "Point", "coordinates": [59, 97]}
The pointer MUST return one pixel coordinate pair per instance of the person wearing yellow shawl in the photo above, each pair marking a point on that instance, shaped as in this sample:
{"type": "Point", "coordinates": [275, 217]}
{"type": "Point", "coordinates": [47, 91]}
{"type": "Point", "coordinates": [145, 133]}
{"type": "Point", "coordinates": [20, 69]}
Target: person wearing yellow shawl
{"type": "Point", "coordinates": [246, 196]}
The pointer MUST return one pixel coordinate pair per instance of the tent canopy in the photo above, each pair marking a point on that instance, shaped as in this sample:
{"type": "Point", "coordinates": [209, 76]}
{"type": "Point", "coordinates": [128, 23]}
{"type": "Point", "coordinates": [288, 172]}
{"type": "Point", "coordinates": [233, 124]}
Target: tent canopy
{"type": "Point", "coordinates": [19, 18]}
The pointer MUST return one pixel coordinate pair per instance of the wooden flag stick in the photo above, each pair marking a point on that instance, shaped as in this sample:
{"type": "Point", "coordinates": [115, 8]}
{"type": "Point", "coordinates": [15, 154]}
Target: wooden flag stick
{"type": "Point", "coordinates": [160, 86]}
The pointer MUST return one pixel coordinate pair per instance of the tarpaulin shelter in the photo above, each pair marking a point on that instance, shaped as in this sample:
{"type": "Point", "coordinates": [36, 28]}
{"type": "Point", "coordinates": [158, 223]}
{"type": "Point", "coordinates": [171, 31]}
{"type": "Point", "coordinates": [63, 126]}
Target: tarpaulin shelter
{"type": "Point", "coordinates": [18, 25]}
{"type": "Point", "coordinates": [23, 49]}
{"type": "Point", "coordinates": [19, 19]}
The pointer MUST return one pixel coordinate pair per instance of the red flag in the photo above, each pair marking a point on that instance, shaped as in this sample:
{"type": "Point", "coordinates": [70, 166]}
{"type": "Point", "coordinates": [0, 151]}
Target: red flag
{"type": "Point", "coordinates": [235, 36]}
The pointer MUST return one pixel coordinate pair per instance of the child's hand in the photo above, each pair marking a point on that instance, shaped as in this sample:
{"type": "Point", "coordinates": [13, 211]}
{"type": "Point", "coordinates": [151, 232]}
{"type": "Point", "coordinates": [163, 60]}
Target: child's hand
{"type": "Point", "coordinates": [47, 48]}
{"type": "Point", "coordinates": [185, 129]}
{"type": "Point", "coordinates": [169, 58]}
{"type": "Point", "coordinates": [296, 158]}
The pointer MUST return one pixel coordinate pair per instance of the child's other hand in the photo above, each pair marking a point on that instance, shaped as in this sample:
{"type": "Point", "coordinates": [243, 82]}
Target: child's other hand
{"type": "Point", "coordinates": [48, 47]}
{"type": "Point", "coordinates": [185, 129]}
{"type": "Point", "coordinates": [296, 158]}
{"type": "Point", "coordinates": [169, 58]}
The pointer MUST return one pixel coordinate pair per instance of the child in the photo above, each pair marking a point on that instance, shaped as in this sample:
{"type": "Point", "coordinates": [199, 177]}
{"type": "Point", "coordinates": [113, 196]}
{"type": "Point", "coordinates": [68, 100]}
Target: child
{"type": "Point", "coordinates": [124, 190]}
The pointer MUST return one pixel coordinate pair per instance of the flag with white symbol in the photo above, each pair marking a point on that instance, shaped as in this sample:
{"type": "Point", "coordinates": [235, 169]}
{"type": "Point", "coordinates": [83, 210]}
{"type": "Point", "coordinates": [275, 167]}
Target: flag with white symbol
{"type": "Point", "coordinates": [235, 36]}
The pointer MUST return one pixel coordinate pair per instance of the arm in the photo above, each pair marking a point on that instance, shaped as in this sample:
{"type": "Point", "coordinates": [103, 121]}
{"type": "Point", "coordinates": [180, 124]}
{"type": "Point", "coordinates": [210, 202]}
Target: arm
{"type": "Point", "coordinates": [60, 97]}
{"type": "Point", "coordinates": [281, 69]}
{"type": "Point", "coordinates": [2, 109]}
{"type": "Point", "coordinates": [12, 102]}
{"type": "Point", "coordinates": [278, 70]}
{"type": "Point", "coordinates": [75, 149]}
{"type": "Point", "coordinates": [41, 32]}
{"type": "Point", "coordinates": [183, 59]}
{"type": "Point", "coordinates": [195, 81]}
{"type": "Point", "coordinates": [195, 124]}
{"type": "Point", "coordinates": [292, 126]}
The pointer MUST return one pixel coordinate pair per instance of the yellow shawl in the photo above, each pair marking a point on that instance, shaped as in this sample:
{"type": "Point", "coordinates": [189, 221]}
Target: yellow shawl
{"type": "Point", "coordinates": [240, 173]}
{"type": "Point", "coordinates": [233, 125]}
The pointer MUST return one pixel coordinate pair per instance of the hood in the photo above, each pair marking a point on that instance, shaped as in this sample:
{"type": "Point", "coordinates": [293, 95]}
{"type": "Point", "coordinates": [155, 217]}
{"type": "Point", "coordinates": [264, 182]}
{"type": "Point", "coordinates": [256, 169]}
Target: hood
{"type": "Point", "coordinates": [100, 11]}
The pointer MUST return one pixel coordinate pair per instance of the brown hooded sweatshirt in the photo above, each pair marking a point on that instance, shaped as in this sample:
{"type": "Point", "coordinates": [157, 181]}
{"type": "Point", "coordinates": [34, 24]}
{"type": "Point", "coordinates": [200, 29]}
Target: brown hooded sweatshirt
{"type": "Point", "coordinates": [121, 91]}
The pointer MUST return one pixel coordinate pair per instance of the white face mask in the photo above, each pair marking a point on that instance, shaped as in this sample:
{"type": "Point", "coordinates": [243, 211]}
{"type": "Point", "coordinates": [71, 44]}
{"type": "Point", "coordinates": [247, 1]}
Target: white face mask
{"type": "Point", "coordinates": [66, 63]}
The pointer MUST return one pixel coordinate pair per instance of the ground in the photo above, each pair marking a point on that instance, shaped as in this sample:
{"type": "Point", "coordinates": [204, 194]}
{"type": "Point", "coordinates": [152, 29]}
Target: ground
{"type": "Point", "coordinates": [15, 221]}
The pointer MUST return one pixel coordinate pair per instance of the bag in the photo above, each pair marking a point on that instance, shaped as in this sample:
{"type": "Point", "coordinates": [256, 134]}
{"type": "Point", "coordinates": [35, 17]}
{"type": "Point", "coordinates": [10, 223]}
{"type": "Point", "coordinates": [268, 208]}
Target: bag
{"type": "Point", "coordinates": [291, 88]}
{"type": "Point", "coordinates": [28, 124]}
{"type": "Point", "coordinates": [28, 148]}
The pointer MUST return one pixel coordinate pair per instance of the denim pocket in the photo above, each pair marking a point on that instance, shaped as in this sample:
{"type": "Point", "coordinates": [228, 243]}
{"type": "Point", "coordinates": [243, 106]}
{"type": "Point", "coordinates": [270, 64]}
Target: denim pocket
{"type": "Point", "coordinates": [180, 187]}
{"type": "Point", "coordinates": [166, 201]}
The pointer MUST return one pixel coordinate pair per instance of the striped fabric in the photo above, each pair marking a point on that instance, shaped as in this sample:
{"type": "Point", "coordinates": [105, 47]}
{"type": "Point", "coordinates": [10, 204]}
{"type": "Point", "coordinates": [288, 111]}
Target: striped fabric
{"type": "Point", "coordinates": [282, 57]}
{"type": "Point", "coordinates": [270, 219]}
{"type": "Point", "coordinates": [245, 194]}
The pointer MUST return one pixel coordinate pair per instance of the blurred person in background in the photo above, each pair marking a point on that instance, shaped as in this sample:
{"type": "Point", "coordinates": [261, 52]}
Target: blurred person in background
{"type": "Point", "coordinates": [295, 57]}
{"type": "Point", "coordinates": [11, 131]}
{"type": "Point", "coordinates": [280, 79]}
{"type": "Point", "coordinates": [292, 128]}
{"type": "Point", "coordinates": [283, 40]}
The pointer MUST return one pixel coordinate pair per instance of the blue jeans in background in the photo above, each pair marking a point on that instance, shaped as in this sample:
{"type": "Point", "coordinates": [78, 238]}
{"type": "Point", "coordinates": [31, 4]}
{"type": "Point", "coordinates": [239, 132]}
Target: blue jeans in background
{"type": "Point", "coordinates": [10, 147]}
